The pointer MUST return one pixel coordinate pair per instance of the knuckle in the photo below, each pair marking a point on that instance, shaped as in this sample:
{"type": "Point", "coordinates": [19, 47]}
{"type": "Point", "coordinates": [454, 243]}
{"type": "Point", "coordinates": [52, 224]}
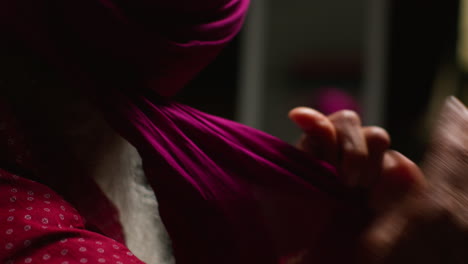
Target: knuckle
{"type": "Point", "coordinates": [350, 116]}
{"type": "Point", "coordinates": [355, 154]}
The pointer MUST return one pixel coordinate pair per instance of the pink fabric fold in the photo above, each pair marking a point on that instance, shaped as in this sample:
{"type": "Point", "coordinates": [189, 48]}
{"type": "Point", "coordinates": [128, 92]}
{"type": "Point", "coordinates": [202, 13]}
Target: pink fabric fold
{"type": "Point", "coordinates": [231, 194]}
{"type": "Point", "coordinates": [227, 193]}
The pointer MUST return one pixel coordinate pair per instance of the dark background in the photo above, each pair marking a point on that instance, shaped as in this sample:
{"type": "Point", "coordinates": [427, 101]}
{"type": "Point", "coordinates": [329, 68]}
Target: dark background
{"type": "Point", "coordinates": [422, 38]}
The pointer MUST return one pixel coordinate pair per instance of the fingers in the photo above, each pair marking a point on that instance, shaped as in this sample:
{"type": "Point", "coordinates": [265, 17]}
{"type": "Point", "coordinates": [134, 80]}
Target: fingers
{"type": "Point", "coordinates": [362, 149]}
{"type": "Point", "coordinates": [378, 141]}
{"type": "Point", "coordinates": [352, 146]}
{"type": "Point", "coordinates": [357, 152]}
{"type": "Point", "coordinates": [319, 138]}
{"type": "Point", "coordinates": [341, 140]}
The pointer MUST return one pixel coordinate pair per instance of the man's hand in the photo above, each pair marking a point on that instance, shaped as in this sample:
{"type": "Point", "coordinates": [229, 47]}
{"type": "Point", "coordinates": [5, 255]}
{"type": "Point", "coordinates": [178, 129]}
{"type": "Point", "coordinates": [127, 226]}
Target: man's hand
{"type": "Point", "coordinates": [356, 151]}
{"type": "Point", "coordinates": [360, 154]}
{"type": "Point", "coordinates": [431, 225]}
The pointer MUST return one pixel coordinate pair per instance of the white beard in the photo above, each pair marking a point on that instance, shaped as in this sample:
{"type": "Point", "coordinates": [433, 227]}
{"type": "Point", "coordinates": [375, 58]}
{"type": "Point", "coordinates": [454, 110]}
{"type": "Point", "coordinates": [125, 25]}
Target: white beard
{"type": "Point", "coordinates": [67, 116]}
{"type": "Point", "coordinates": [120, 176]}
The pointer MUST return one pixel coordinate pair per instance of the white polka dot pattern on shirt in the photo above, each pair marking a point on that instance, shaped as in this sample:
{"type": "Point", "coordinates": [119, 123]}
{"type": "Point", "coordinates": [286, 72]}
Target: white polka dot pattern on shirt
{"type": "Point", "coordinates": [27, 221]}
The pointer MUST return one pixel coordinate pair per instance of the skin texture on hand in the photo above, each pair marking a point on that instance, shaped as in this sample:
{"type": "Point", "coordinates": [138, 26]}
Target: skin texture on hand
{"type": "Point", "coordinates": [341, 140]}
{"type": "Point", "coordinates": [363, 159]}
{"type": "Point", "coordinates": [360, 154]}
{"type": "Point", "coordinates": [431, 225]}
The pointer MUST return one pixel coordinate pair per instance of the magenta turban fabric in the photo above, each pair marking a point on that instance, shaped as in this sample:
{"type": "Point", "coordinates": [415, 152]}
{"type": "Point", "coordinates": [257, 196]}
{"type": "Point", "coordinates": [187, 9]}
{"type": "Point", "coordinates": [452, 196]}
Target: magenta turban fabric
{"type": "Point", "coordinates": [227, 193]}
